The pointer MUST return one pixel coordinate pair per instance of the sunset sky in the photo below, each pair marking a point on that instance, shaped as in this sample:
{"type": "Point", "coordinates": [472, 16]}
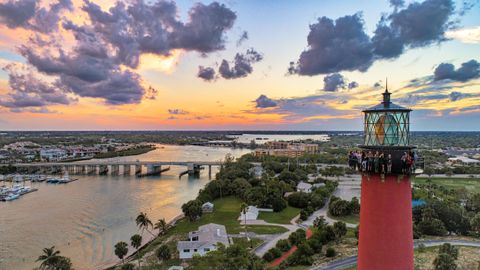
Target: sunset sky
{"type": "Point", "coordinates": [243, 65]}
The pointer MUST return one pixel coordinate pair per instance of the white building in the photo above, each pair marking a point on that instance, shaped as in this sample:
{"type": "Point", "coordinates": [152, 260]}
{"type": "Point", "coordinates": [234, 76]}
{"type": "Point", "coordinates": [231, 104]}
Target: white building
{"type": "Point", "coordinates": [207, 238]}
{"type": "Point", "coordinates": [304, 187]}
{"type": "Point", "coordinates": [463, 159]}
{"type": "Point", "coordinates": [53, 154]}
{"type": "Point", "coordinates": [251, 213]}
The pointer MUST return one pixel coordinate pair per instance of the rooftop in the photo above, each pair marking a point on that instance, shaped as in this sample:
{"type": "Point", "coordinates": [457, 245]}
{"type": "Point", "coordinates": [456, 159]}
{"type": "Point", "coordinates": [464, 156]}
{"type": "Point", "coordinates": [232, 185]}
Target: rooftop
{"type": "Point", "coordinates": [386, 104]}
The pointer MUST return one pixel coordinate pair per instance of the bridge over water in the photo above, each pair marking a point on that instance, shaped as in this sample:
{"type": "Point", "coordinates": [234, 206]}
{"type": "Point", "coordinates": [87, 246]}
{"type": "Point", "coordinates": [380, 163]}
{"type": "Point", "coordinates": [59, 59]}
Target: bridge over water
{"type": "Point", "coordinates": [114, 167]}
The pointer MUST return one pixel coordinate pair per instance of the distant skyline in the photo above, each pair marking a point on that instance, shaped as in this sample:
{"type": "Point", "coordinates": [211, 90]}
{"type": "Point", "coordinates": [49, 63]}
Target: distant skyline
{"type": "Point", "coordinates": [236, 65]}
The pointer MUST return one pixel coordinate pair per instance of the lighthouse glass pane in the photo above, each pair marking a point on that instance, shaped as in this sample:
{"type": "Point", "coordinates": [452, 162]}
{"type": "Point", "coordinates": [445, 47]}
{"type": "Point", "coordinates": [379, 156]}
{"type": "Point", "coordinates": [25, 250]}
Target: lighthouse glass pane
{"type": "Point", "coordinates": [386, 128]}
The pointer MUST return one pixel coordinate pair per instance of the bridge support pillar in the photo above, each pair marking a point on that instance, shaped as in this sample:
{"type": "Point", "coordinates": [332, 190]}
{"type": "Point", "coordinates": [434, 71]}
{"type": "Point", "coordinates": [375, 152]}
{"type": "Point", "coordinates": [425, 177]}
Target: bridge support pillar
{"type": "Point", "coordinates": [138, 170]}
{"type": "Point", "coordinates": [91, 169]}
{"type": "Point", "coordinates": [126, 169]}
{"type": "Point", "coordinates": [114, 169]}
{"type": "Point", "coordinates": [80, 169]}
{"type": "Point", "coordinates": [103, 169]}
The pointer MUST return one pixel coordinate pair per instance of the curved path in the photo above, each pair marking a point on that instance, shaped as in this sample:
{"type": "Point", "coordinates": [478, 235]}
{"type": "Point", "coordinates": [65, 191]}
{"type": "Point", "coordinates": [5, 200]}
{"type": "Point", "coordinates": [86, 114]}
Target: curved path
{"type": "Point", "coordinates": [351, 261]}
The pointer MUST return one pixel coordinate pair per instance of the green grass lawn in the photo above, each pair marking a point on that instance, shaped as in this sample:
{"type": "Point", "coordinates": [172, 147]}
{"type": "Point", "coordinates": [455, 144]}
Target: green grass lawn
{"type": "Point", "coordinates": [227, 211]}
{"type": "Point", "coordinates": [471, 184]}
{"type": "Point", "coordinates": [243, 242]}
{"type": "Point", "coordinates": [282, 217]}
{"type": "Point", "coordinates": [353, 219]}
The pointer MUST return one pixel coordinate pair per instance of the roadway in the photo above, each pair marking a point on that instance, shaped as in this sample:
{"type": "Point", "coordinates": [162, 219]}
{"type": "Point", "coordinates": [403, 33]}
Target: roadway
{"type": "Point", "coordinates": [100, 162]}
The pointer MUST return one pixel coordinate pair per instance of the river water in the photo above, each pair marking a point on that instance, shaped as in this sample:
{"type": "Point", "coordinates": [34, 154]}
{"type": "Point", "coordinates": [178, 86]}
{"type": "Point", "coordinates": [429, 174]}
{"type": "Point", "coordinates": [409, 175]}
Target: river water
{"type": "Point", "coordinates": [85, 218]}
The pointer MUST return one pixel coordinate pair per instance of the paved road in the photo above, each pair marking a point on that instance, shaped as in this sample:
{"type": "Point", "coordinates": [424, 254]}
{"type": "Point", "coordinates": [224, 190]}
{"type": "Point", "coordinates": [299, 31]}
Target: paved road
{"type": "Point", "coordinates": [351, 261]}
{"type": "Point", "coordinates": [270, 243]}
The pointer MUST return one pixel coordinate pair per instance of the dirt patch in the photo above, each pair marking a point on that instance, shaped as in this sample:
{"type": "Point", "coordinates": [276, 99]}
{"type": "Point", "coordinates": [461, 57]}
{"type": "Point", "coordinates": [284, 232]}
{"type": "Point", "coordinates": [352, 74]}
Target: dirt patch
{"type": "Point", "coordinates": [468, 258]}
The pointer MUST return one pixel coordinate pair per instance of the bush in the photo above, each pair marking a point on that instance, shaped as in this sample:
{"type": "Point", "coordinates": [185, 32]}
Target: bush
{"type": "Point", "coordinates": [432, 227]}
{"type": "Point", "coordinates": [297, 237]}
{"type": "Point", "coordinates": [330, 252]}
{"type": "Point", "coordinates": [268, 256]}
{"type": "Point", "coordinates": [298, 199]}
{"type": "Point", "coordinates": [283, 245]}
{"type": "Point", "coordinates": [163, 253]}
{"type": "Point", "coordinates": [278, 204]}
{"type": "Point", "coordinates": [276, 252]}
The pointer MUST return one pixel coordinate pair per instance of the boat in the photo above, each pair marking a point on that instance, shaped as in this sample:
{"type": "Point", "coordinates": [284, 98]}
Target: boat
{"type": "Point", "coordinates": [16, 188]}
{"type": "Point", "coordinates": [52, 180]}
{"type": "Point", "coordinates": [11, 197]}
{"type": "Point", "coordinates": [65, 179]}
{"type": "Point", "coordinates": [18, 178]}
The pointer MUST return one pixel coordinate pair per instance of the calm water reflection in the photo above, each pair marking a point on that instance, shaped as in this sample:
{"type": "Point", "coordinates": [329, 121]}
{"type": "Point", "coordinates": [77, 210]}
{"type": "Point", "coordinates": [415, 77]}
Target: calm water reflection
{"type": "Point", "coordinates": [85, 218]}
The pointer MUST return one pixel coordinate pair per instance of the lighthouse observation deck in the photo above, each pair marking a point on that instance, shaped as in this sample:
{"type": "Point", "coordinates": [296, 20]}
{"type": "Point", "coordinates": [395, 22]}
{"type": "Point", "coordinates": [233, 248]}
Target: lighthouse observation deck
{"type": "Point", "coordinates": [386, 148]}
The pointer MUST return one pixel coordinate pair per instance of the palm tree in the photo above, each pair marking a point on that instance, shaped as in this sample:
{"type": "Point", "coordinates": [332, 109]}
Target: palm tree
{"type": "Point", "coordinates": [244, 208]}
{"type": "Point", "coordinates": [143, 222]}
{"type": "Point", "coordinates": [49, 258]}
{"type": "Point", "coordinates": [121, 249]}
{"type": "Point", "coordinates": [161, 226]}
{"type": "Point", "coordinates": [136, 242]}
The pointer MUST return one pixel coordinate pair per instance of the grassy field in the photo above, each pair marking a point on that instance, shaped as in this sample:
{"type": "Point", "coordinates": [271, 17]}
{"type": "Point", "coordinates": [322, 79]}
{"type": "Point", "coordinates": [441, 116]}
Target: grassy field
{"type": "Point", "coordinates": [243, 242]}
{"type": "Point", "coordinates": [282, 217]}
{"type": "Point", "coordinates": [471, 184]}
{"type": "Point", "coordinates": [227, 211]}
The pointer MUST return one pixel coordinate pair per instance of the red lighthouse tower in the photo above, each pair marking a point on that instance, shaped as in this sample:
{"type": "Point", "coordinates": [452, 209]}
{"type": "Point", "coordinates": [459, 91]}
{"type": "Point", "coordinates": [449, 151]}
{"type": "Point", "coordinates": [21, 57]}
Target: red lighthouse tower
{"type": "Point", "coordinates": [386, 236]}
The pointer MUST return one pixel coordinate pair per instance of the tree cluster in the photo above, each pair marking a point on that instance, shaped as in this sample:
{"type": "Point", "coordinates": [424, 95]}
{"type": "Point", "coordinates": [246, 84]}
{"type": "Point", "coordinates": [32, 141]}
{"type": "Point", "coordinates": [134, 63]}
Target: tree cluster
{"type": "Point", "coordinates": [322, 235]}
{"type": "Point", "coordinates": [338, 207]}
{"type": "Point", "coordinates": [233, 257]}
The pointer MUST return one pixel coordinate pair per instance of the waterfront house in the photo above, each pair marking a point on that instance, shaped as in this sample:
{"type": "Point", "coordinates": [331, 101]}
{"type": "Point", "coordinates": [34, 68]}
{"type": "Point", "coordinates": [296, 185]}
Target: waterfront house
{"type": "Point", "coordinates": [207, 207]}
{"type": "Point", "coordinates": [207, 238]}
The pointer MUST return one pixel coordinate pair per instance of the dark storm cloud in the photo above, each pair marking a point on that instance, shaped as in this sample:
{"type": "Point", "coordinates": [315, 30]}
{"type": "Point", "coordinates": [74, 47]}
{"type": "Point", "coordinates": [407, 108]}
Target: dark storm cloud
{"type": "Point", "coordinates": [467, 71]}
{"type": "Point", "coordinates": [265, 102]}
{"type": "Point", "coordinates": [26, 14]}
{"type": "Point", "coordinates": [27, 90]}
{"type": "Point", "coordinates": [333, 82]}
{"type": "Point", "coordinates": [417, 25]}
{"type": "Point", "coordinates": [110, 39]}
{"type": "Point", "coordinates": [352, 85]}
{"type": "Point", "coordinates": [154, 28]}
{"type": "Point", "coordinates": [397, 3]}
{"type": "Point", "coordinates": [242, 65]}
{"type": "Point", "coordinates": [46, 21]}
{"type": "Point", "coordinates": [88, 72]}
{"type": "Point", "coordinates": [343, 44]}
{"type": "Point", "coordinates": [206, 73]}
{"type": "Point", "coordinates": [334, 46]}
{"type": "Point", "coordinates": [17, 13]}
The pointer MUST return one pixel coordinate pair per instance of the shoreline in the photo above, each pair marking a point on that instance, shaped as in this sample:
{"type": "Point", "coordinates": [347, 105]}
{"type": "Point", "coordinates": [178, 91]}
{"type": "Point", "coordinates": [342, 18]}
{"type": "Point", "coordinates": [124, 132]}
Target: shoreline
{"type": "Point", "coordinates": [150, 238]}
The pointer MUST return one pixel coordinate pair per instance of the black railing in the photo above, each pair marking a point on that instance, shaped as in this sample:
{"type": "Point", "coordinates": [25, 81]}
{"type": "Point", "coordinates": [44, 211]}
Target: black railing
{"type": "Point", "coordinates": [386, 161]}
